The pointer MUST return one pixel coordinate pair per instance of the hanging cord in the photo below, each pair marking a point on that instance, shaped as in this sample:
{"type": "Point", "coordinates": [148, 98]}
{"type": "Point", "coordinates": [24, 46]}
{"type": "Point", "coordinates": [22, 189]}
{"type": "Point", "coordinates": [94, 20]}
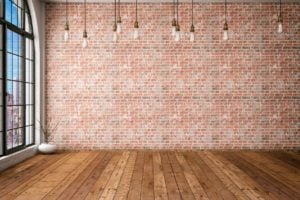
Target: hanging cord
{"type": "Point", "coordinates": [67, 17]}
{"type": "Point", "coordinates": [280, 7]}
{"type": "Point", "coordinates": [85, 15]}
{"type": "Point", "coordinates": [136, 16]}
{"type": "Point", "coordinates": [119, 12]}
{"type": "Point", "coordinates": [192, 12]}
{"type": "Point", "coordinates": [225, 11]}
{"type": "Point", "coordinates": [174, 8]}
{"type": "Point", "coordinates": [115, 12]}
{"type": "Point", "coordinates": [177, 12]}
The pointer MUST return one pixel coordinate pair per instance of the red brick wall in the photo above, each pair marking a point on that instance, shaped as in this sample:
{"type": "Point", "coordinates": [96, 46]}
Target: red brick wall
{"type": "Point", "coordinates": [156, 93]}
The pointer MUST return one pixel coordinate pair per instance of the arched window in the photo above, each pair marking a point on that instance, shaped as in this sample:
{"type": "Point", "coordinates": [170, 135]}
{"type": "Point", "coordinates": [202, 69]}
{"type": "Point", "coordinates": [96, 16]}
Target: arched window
{"type": "Point", "coordinates": [16, 77]}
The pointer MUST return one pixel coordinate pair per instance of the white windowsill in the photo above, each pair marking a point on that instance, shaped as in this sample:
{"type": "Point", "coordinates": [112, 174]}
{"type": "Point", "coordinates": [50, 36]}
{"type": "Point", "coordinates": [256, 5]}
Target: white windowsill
{"type": "Point", "coordinates": [12, 159]}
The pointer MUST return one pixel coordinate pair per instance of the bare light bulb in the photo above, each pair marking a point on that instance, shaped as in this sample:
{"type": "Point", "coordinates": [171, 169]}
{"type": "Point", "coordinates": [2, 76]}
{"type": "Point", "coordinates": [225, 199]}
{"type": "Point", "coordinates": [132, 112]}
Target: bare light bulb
{"type": "Point", "coordinates": [192, 33]}
{"type": "Point", "coordinates": [66, 36]}
{"type": "Point", "coordinates": [225, 31]}
{"type": "Point", "coordinates": [192, 36]}
{"type": "Point", "coordinates": [174, 27]}
{"type": "Point", "coordinates": [136, 33]}
{"type": "Point", "coordinates": [85, 42]}
{"type": "Point", "coordinates": [279, 30]}
{"type": "Point", "coordinates": [173, 31]}
{"type": "Point", "coordinates": [136, 30]}
{"type": "Point", "coordinates": [177, 36]}
{"type": "Point", "coordinates": [225, 35]}
{"type": "Point", "coordinates": [115, 36]}
{"type": "Point", "coordinates": [119, 27]}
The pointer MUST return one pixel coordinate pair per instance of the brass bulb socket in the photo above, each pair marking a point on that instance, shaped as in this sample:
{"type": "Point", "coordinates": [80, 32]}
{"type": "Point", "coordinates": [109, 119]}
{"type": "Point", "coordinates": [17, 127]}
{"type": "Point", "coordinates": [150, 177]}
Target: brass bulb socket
{"type": "Point", "coordinates": [174, 22]}
{"type": "Point", "coordinates": [115, 27]}
{"type": "Point", "coordinates": [225, 26]}
{"type": "Point", "coordinates": [66, 27]}
{"type": "Point", "coordinates": [119, 20]}
{"type": "Point", "coordinates": [136, 24]}
{"type": "Point", "coordinates": [280, 19]}
{"type": "Point", "coordinates": [192, 30]}
{"type": "Point", "coordinates": [84, 34]}
{"type": "Point", "coordinates": [177, 28]}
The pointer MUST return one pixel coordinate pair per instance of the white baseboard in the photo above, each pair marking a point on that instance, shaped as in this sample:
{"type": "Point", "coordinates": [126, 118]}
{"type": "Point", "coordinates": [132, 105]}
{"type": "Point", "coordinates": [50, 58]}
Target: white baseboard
{"type": "Point", "coordinates": [10, 160]}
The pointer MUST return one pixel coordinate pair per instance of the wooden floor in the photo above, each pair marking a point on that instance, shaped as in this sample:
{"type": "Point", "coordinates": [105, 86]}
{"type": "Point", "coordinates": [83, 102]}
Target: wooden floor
{"type": "Point", "coordinates": [155, 175]}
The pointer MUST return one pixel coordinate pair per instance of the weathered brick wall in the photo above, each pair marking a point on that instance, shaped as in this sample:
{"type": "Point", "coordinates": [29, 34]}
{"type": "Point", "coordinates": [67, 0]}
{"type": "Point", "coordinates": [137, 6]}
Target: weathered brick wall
{"type": "Point", "coordinates": [156, 93]}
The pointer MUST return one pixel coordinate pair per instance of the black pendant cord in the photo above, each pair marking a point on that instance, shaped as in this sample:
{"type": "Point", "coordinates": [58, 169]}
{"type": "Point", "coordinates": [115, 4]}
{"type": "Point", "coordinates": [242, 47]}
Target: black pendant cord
{"type": "Point", "coordinates": [84, 15]}
{"type": "Point", "coordinates": [136, 15]}
{"type": "Point", "coordinates": [280, 7]}
{"type": "Point", "coordinates": [192, 12]}
{"type": "Point", "coordinates": [115, 12]}
{"type": "Point", "coordinates": [67, 17]}
{"type": "Point", "coordinates": [174, 8]}
{"type": "Point", "coordinates": [119, 12]}
{"type": "Point", "coordinates": [225, 10]}
{"type": "Point", "coordinates": [177, 12]}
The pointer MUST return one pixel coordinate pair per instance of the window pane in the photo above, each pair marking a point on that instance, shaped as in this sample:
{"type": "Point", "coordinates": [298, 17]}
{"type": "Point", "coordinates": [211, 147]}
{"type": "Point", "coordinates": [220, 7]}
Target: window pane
{"type": "Point", "coordinates": [9, 66]}
{"type": "Point", "coordinates": [8, 9]}
{"type": "Point", "coordinates": [9, 139]}
{"type": "Point", "coordinates": [15, 75]}
{"type": "Point", "coordinates": [9, 93]}
{"type": "Point", "coordinates": [28, 27]}
{"type": "Point", "coordinates": [18, 93]}
{"type": "Point", "coordinates": [16, 117]}
{"type": "Point", "coordinates": [16, 43]}
{"type": "Point", "coordinates": [9, 45]}
{"type": "Point", "coordinates": [9, 117]}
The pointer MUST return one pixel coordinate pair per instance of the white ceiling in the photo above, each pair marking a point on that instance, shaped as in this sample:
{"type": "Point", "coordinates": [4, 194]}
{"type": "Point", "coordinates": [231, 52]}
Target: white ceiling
{"type": "Point", "coordinates": [182, 1]}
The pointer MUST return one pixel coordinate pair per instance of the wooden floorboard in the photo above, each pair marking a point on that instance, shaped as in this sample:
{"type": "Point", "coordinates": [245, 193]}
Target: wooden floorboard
{"type": "Point", "coordinates": [155, 175]}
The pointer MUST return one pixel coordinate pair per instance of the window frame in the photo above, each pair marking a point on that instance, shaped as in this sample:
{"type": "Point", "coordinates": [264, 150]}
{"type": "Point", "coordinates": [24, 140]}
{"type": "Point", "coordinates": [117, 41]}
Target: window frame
{"type": "Point", "coordinates": [6, 25]}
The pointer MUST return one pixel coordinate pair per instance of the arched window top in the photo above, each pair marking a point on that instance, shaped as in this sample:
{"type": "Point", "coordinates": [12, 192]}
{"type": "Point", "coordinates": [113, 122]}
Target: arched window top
{"type": "Point", "coordinates": [17, 14]}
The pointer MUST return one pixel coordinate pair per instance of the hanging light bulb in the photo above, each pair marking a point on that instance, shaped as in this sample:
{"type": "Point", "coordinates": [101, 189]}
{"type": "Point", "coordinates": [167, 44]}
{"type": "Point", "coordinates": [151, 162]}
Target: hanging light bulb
{"type": "Point", "coordinates": [174, 20]}
{"type": "Point", "coordinates": [136, 24]}
{"type": "Point", "coordinates": [119, 21]}
{"type": "Point", "coordinates": [115, 35]}
{"type": "Point", "coordinates": [177, 34]}
{"type": "Point", "coordinates": [173, 27]}
{"type": "Point", "coordinates": [225, 31]}
{"type": "Point", "coordinates": [85, 42]}
{"type": "Point", "coordinates": [192, 33]}
{"type": "Point", "coordinates": [192, 30]}
{"type": "Point", "coordinates": [66, 35]}
{"type": "Point", "coordinates": [136, 30]}
{"type": "Point", "coordinates": [280, 20]}
{"type": "Point", "coordinates": [225, 28]}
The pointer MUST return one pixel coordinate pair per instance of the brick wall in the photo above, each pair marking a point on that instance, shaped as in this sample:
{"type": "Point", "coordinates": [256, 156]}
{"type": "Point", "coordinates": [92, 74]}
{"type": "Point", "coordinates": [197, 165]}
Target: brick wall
{"type": "Point", "coordinates": [156, 93]}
